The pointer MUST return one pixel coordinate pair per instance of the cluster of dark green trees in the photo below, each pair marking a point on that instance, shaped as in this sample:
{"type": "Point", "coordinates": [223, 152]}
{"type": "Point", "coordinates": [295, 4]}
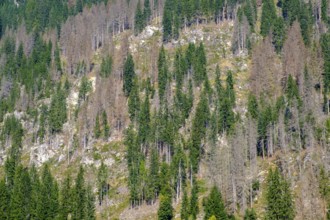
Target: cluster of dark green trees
{"type": "Point", "coordinates": [280, 203]}
{"type": "Point", "coordinates": [106, 66]}
{"type": "Point", "coordinates": [142, 16]}
{"type": "Point", "coordinates": [178, 14]}
{"type": "Point", "coordinates": [26, 193]}
{"type": "Point", "coordinates": [160, 161]}
{"type": "Point", "coordinates": [37, 195]}
{"type": "Point", "coordinates": [324, 189]}
{"type": "Point", "coordinates": [33, 73]}
{"type": "Point", "coordinates": [291, 11]}
{"type": "Point", "coordinates": [39, 15]}
{"type": "Point", "coordinates": [102, 129]}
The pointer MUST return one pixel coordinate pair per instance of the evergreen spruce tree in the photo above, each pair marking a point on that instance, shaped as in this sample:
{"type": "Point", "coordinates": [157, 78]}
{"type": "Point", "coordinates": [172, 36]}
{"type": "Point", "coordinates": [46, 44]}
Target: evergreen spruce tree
{"type": "Point", "coordinates": [199, 130]}
{"type": "Point", "coordinates": [279, 199]}
{"type": "Point", "coordinates": [185, 207]}
{"type": "Point", "coordinates": [325, 44]}
{"type": "Point", "coordinates": [4, 200]}
{"type": "Point", "coordinates": [90, 204]}
{"type": "Point", "coordinates": [129, 75]}
{"type": "Point", "coordinates": [200, 65]}
{"type": "Point", "coordinates": [250, 214]}
{"type": "Point", "coordinates": [213, 205]}
{"type": "Point", "coordinates": [287, 204]}
{"type": "Point", "coordinates": [65, 199]}
{"type": "Point", "coordinates": [106, 66]}
{"type": "Point", "coordinates": [139, 19]}
{"type": "Point", "coordinates": [167, 21]}
{"type": "Point", "coordinates": [85, 88]}
{"type": "Point", "coordinates": [162, 73]}
{"type": "Point", "coordinates": [106, 127]}
{"type": "Point", "coordinates": [324, 11]}
{"type": "Point", "coordinates": [253, 108]}
{"type": "Point", "coordinates": [79, 195]}
{"type": "Point", "coordinates": [226, 105]}
{"type": "Point", "coordinates": [305, 19]}
{"type": "Point", "coordinates": [147, 11]}
{"type": "Point", "coordinates": [17, 196]}
{"type": "Point", "coordinates": [102, 178]}
{"type": "Point", "coordinates": [268, 17]}
{"type": "Point", "coordinates": [58, 111]}
{"type": "Point", "coordinates": [144, 121]}
{"type": "Point", "coordinates": [35, 194]}
{"type": "Point", "coordinates": [134, 101]}
{"type": "Point", "coordinates": [324, 189]}
{"type": "Point", "coordinates": [97, 128]}
{"type": "Point", "coordinates": [291, 10]}
{"type": "Point", "coordinates": [165, 211]}
{"type": "Point", "coordinates": [58, 59]}
{"type": "Point", "coordinates": [194, 209]}
{"type": "Point", "coordinates": [154, 183]}
{"type": "Point", "coordinates": [278, 36]}
{"type": "Point", "coordinates": [27, 192]}
{"type": "Point", "coordinates": [49, 204]}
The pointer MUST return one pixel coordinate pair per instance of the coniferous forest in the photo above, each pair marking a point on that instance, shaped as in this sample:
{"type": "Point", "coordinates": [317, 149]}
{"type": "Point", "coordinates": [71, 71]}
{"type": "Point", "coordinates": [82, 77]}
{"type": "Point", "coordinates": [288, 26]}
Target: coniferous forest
{"type": "Point", "coordinates": [165, 109]}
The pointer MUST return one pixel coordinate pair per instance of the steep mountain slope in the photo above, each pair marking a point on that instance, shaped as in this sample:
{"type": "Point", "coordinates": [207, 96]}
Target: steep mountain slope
{"type": "Point", "coordinates": [149, 104]}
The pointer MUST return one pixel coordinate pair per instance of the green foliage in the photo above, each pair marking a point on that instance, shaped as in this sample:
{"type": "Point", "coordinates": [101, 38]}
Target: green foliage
{"type": "Point", "coordinates": [17, 208]}
{"type": "Point", "coordinates": [306, 22]}
{"type": "Point", "coordinates": [253, 109]}
{"type": "Point", "coordinates": [57, 111]}
{"type": "Point", "coordinates": [39, 198]}
{"type": "Point", "coordinates": [139, 19]}
{"type": "Point", "coordinates": [324, 11]}
{"type": "Point", "coordinates": [325, 44]}
{"type": "Point", "coordinates": [324, 189]}
{"type": "Point", "coordinates": [167, 21]}
{"type": "Point", "coordinates": [194, 208]}
{"type": "Point", "coordinates": [85, 88]}
{"type": "Point", "coordinates": [134, 158]}
{"type": "Point", "coordinates": [165, 211]}
{"type": "Point", "coordinates": [280, 203]}
{"type": "Point", "coordinates": [162, 73]}
{"type": "Point", "coordinates": [134, 101]}
{"type": "Point", "coordinates": [214, 206]}
{"type": "Point", "coordinates": [250, 12]}
{"type": "Point", "coordinates": [198, 133]}
{"type": "Point", "coordinates": [102, 178]}
{"type": "Point", "coordinates": [250, 214]}
{"type": "Point", "coordinates": [200, 65]}
{"type": "Point", "coordinates": [278, 36]}
{"type": "Point", "coordinates": [292, 90]}
{"type": "Point", "coordinates": [144, 121]}
{"type": "Point", "coordinates": [49, 198]}
{"type": "Point", "coordinates": [129, 75]}
{"type": "Point", "coordinates": [4, 200]}
{"type": "Point", "coordinates": [106, 66]}
{"type": "Point", "coordinates": [79, 195]}
{"type": "Point", "coordinates": [97, 128]}
{"type": "Point", "coordinates": [185, 212]}
{"type": "Point", "coordinates": [42, 122]}
{"type": "Point", "coordinates": [66, 199]}
{"type": "Point", "coordinates": [153, 177]}
{"type": "Point", "coordinates": [268, 17]}
{"type": "Point", "coordinates": [90, 204]}
{"type": "Point", "coordinates": [147, 11]}
{"type": "Point", "coordinates": [291, 10]}
{"type": "Point", "coordinates": [225, 104]}
{"type": "Point", "coordinates": [58, 59]}
{"type": "Point", "coordinates": [106, 127]}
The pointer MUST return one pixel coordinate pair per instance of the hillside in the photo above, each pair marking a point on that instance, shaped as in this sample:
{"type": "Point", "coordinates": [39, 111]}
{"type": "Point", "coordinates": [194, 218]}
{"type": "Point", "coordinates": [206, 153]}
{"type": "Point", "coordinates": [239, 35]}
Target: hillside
{"type": "Point", "coordinates": [164, 109]}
